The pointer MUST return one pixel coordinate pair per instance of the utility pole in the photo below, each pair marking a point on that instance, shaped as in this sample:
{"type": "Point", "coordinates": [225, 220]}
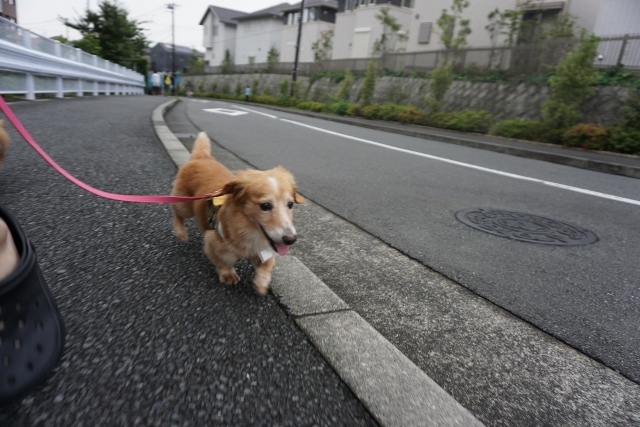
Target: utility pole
{"type": "Point", "coordinates": [295, 64]}
{"type": "Point", "coordinates": [173, 6]}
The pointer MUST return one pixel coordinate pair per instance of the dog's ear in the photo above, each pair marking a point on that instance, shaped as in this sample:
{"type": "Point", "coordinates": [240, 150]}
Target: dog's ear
{"type": "Point", "coordinates": [297, 197]}
{"type": "Point", "coordinates": [233, 188]}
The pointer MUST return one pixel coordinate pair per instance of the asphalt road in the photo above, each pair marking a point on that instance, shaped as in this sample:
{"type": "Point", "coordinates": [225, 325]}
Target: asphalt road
{"type": "Point", "coordinates": [587, 296]}
{"type": "Point", "coordinates": [152, 337]}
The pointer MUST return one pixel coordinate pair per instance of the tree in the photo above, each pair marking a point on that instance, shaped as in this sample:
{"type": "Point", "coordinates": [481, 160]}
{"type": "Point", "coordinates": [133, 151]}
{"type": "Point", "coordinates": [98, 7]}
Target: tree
{"type": "Point", "coordinates": [574, 80]}
{"type": "Point", "coordinates": [226, 66]}
{"type": "Point", "coordinates": [272, 57]}
{"type": "Point", "coordinates": [110, 33]}
{"type": "Point", "coordinates": [447, 22]}
{"type": "Point", "coordinates": [391, 34]}
{"type": "Point", "coordinates": [344, 90]}
{"type": "Point", "coordinates": [442, 77]}
{"type": "Point", "coordinates": [369, 84]}
{"type": "Point", "coordinates": [323, 46]}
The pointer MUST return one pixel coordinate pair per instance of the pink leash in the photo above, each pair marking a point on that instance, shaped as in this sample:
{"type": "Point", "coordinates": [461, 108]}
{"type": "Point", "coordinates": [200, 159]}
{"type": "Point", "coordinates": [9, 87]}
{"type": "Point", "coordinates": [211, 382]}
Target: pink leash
{"type": "Point", "coordinates": [112, 196]}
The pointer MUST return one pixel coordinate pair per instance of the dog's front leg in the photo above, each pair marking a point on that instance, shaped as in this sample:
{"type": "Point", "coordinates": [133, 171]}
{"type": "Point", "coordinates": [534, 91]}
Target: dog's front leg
{"type": "Point", "coordinates": [262, 277]}
{"type": "Point", "coordinates": [220, 257]}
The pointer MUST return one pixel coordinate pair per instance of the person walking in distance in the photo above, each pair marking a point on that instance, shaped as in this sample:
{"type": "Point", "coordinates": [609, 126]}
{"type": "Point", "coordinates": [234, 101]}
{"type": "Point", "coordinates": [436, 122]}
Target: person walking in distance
{"type": "Point", "coordinates": [247, 93]}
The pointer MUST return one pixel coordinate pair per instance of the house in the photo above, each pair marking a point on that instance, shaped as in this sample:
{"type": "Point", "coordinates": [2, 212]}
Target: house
{"type": "Point", "coordinates": [357, 27]}
{"type": "Point", "coordinates": [318, 16]}
{"type": "Point", "coordinates": [8, 10]}
{"type": "Point", "coordinates": [161, 57]}
{"type": "Point", "coordinates": [258, 33]}
{"type": "Point", "coordinates": [219, 33]}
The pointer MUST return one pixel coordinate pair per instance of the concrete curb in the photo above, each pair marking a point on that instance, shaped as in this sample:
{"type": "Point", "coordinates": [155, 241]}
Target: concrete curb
{"type": "Point", "coordinates": [392, 387]}
{"type": "Point", "coordinates": [530, 153]}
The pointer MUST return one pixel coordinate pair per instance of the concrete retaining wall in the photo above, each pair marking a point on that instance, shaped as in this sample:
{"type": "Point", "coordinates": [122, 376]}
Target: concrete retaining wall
{"type": "Point", "coordinates": [502, 100]}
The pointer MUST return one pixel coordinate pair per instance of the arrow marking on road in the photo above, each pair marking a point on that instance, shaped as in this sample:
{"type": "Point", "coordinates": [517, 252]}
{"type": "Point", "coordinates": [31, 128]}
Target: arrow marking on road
{"type": "Point", "coordinates": [225, 111]}
{"type": "Point", "coordinates": [254, 111]}
{"type": "Point", "coordinates": [470, 166]}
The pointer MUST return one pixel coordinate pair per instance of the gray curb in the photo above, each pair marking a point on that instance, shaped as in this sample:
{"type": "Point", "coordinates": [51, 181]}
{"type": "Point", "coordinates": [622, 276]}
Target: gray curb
{"type": "Point", "coordinates": [392, 387]}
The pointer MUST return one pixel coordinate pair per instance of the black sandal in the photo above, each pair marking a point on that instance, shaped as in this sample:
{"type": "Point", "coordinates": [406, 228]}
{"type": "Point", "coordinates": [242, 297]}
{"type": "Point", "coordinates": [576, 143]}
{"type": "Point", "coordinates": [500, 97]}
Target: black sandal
{"type": "Point", "coordinates": [31, 327]}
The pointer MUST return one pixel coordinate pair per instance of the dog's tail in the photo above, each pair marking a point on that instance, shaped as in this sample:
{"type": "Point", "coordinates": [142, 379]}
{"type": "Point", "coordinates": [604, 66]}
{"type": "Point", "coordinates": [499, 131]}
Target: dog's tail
{"type": "Point", "coordinates": [201, 147]}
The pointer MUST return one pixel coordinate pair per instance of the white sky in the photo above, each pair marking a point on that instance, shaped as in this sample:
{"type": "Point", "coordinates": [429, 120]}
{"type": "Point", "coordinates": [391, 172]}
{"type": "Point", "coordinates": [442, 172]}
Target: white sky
{"type": "Point", "coordinates": [41, 16]}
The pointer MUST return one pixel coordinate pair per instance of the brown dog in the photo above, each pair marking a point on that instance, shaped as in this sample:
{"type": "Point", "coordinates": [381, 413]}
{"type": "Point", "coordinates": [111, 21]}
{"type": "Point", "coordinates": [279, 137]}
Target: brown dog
{"type": "Point", "coordinates": [4, 142]}
{"type": "Point", "coordinates": [254, 216]}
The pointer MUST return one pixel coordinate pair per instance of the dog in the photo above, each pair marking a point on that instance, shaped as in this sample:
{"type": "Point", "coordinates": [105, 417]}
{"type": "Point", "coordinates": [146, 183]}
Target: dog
{"type": "Point", "coordinates": [251, 219]}
{"type": "Point", "coordinates": [4, 142]}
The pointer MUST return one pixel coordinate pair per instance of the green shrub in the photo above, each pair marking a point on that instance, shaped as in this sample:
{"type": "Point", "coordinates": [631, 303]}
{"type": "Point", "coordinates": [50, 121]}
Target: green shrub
{"type": "Point", "coordinates": [530, 130]}
{"type": "Point", "coordinates": [586, 135]}
{"type": "Point", "coordinates": [238, 90]}
{"type": "Point", "coordinates": [339, 108]}
{"type": "Point", "coordinates": [296, 90]}
{"type": "Point", "coordinates": [345, 87]}
{"type": "Point", "coordinates": [214, 87]}
{"type": "Point", "coordinates": [353, 110]}
{"type": "Point", "coordinates": [226, 90]}
{"type": "Point", "coordinates": [311, 106]}
{"type": "Point", "coordinates": [478, 121]}
{"type": "Point", "coordinates": [284, 87]}
{"type": "Point", "coordinates": [574, 80]}
{"type": "Point", "coordinates": [624, 140]}
{"type": "Point", "coordinates": [440, 82]}
{"type": "Point", "coordinates": [411, 115]}
{"type": "Point", "coordinates": [254, 87]}
{"type": "Point", "coordinates": [370, 112]}
{"type": "Point", "coordinates": [266, 99]}
{"type": "Point", "coordinates": [369, 85]}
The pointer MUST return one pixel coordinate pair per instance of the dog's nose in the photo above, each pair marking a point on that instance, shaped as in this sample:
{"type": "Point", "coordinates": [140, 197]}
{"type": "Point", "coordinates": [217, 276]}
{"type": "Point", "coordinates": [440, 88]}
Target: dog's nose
{"type": "Point", "coordinates": [289, 240]}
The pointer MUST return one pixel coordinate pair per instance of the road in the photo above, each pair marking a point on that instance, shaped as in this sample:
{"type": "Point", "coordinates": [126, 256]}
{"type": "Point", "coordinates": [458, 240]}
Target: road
{"type": "Point", "coordinates": [152, 338]}
{"type": "Point", "coordinates": [586, 296]}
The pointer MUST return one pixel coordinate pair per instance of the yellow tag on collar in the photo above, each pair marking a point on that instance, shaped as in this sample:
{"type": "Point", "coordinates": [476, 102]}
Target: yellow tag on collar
{"type": "Point", "coordinates": [218, 200]}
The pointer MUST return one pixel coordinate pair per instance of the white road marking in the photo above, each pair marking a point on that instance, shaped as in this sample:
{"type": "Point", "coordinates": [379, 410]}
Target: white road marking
{"type": "Point", "coordinates": [225, 111]}
{"type": "Point", "coordinates": [470, 166]}
{"type": "Point", "coordinates": [254, 111]}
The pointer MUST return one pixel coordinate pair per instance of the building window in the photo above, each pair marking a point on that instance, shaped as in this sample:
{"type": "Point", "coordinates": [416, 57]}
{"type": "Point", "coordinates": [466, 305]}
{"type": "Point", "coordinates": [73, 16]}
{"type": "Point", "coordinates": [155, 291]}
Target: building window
{"type": "Point", "coordinates": [407, 3]}
{"type": "Point", "coordinates": [312, 14]}
{"type": "Point", "coordinates": [252, 60]}
{"type": "Point", "coordinates": [215, 30]}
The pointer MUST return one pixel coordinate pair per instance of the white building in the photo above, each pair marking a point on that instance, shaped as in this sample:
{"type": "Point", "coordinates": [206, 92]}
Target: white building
{"type": "Point", "coordinates": [249, 37]}
{"type": "Point", "coordinates": [219, 33]}
{"type": "Point", "coordinates": [318, 16]}
{"type": "Point", "coordinates": [259, 32]}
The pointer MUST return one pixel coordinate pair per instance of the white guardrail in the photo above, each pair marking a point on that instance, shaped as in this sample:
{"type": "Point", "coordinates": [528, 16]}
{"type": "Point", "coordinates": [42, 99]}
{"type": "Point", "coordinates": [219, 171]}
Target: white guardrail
{"type": "Point", "coordinates": [31, 64]}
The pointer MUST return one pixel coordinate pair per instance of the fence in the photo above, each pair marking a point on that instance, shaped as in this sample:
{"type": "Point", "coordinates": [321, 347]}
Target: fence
{"type": "Point", "coordinates": [516, 60]}
{"type": "Point", "coordinates": [31, 64]}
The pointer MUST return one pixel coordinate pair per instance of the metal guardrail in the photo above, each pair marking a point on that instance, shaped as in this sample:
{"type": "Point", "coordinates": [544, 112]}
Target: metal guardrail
{"type": "Point", "coordinates": [31, 64]}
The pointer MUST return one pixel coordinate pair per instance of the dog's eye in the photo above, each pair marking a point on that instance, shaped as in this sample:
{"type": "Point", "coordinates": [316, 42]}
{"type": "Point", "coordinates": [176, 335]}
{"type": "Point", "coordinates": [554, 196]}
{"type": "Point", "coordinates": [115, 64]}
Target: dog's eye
{"type": "Point", "coordinates": [266, 206]}
{"type": "Point", "coordinates": [290, 205]}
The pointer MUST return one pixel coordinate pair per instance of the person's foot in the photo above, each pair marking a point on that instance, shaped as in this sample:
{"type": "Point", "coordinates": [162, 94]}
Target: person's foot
{"type": "Point", "coordinates": [8, 252]}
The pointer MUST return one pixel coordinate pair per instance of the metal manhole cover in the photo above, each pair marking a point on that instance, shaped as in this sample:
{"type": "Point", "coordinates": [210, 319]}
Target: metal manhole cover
{"type": "Point", "coordinates": [526, 227]}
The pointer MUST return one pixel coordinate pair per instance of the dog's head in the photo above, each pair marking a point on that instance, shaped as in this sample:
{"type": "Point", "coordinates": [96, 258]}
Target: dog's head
{"type": "Point", "coordinates": [266, 198]}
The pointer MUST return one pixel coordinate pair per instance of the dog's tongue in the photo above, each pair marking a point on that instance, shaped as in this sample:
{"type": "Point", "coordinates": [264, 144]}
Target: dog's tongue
{"type": "Point", "coordinates": [282, 249]}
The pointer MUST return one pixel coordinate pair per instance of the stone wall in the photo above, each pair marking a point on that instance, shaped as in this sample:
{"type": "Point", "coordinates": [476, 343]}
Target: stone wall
{"type": "Point", "coordinates": [501, 99]}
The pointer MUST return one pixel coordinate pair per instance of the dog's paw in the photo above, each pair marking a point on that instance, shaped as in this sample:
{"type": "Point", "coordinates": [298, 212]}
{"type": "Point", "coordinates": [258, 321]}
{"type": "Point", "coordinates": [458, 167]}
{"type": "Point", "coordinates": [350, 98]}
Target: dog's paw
{"type": "Point", "coordinates": [182, 235]}
{"type": "Point", "coordinates": [229, 277]}
{"type": "Point", "coordinates": [261, 284]}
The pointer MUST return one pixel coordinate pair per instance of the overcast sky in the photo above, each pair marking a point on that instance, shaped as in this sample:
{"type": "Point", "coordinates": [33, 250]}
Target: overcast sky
{"type": "Point", "coordinates": [41, 16]}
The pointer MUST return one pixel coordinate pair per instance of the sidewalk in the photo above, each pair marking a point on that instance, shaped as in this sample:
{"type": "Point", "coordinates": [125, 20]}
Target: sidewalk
{"type": "Point", "coordinates": [502, 369]}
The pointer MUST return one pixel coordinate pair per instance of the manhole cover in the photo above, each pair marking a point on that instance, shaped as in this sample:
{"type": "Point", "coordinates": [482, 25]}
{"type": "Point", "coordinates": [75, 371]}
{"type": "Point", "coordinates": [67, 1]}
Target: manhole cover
{"type": "Point", "coordinates": [525, 227]}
